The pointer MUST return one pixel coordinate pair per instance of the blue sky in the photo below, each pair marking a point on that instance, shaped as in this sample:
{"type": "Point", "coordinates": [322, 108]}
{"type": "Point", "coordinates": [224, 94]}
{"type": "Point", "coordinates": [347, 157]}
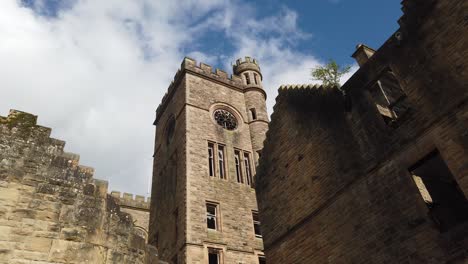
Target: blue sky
{"type": "Point", "coordinates": [95, 71]}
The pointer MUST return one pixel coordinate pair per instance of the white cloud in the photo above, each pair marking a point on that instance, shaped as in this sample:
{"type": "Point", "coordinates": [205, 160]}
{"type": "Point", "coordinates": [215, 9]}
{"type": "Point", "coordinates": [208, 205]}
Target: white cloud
{"type": "Point", "coordinates": [96, 72]}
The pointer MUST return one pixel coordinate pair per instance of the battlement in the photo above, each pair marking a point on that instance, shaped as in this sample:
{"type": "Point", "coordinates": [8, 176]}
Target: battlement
{"type": "Point", "coordinates": [317, 94]}
{"type": "Point", "coordinates": [248, 64]}
{"type": "Point", "coordinates": [191, 65]}
{"type": "Point", "coordinates": [246, 60]}
{"type": "Point", "coordinates": [130, 201]}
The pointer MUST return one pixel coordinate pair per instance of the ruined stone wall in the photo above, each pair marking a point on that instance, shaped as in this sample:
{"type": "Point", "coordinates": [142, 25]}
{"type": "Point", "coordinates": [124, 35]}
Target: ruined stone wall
{"type": "Point", "coordinates": [138, 207]}
{"type": "Point", "coordinates": [334, 184]}
{"type": "Point", "coordinates": [51, 208]}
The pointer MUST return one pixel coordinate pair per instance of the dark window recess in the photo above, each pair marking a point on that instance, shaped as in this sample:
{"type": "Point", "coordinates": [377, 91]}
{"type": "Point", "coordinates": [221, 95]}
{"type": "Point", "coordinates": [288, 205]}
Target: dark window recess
{"type": "Point", "coordinates": [254, 113]}
{"type": "Point", "coordinates": [248, 170]}
{"type": "Point", "coordinates": [255, 78]}
{"type": "Point", "coordinates": [256, 222]}
{"type": "Point", "coordinates": [238, 167]}
{"type": "Point", "coordinates": [170, 131]}
{"type": "Point", "coordinates": [261, 260]}
{"type": "Point", "coordinates": [211, 216]}
{"type": "Point", "coordinates": [211, 159]}
{"type": "Point", "coordinates": [222, 170]}
{"type": "Point", "coordinates": [446, 202]}
{"type": "Point", "coordinates": [214, 256]}
{"type": "Point", "coordinates": [247, 78]}
{"type": "Point", "coordinates": [389, 98]}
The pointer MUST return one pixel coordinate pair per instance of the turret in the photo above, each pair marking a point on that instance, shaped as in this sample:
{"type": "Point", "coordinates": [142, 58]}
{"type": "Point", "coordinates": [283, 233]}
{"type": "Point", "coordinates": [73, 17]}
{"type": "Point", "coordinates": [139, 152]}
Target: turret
{"type": "Point", "coordinates": [249, 71]}
{"type": "Point", "coordinates": [255, 100]}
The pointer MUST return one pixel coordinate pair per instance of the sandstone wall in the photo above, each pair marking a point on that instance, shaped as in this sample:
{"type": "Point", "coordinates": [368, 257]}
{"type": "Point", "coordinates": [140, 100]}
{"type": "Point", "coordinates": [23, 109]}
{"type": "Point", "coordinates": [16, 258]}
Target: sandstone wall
{"type": "Point", "coordinates": [52, 210]}
{"type": "Point", "coordinates": [181, 184]}
{"type": "Point", "coordinates": [334, 182]}
{"type": "Point", "coordinates": [137, 207]}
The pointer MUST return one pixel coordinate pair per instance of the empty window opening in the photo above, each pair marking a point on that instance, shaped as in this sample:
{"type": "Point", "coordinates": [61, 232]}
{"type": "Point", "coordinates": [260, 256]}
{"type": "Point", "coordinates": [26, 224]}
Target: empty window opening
{"type": "Point", "coordinates": [214, 256]}
{"type": "Point", "coordinates": [438, 188]}
{"type": "Point", "coordinates": [211, 163]}
{"type": "Point", "coordinates": [247, 78]}
{"type": "Point", "coordinates": [238, 166]}
{"type": "Point", "coordinates": [255, 78]}
{"type": "Point", "coordinates": [389, 98]}
{"type": "Point", "coordinates": [248, 170]}
{"type": "Point", "coordinates": [254, 113]}
{"type": "Point", "coordinates": [222, 169]}
{"type": "Point", "coordinates": [256, 223]}
{"type": "Point", "coordinates": [261, 260]}
{"type": "Point", "coordinates": [211, 216]}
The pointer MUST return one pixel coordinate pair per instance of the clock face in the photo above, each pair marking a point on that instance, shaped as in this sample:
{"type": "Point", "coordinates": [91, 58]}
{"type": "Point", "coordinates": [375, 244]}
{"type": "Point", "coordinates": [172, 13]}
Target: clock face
{"type": "Point", "coordinates": [225, 119]}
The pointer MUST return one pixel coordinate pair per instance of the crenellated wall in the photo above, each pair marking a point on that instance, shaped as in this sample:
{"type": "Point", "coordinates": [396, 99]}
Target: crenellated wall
{"type": "Point", "coordinates": [138, 207]}
{"type": "Point", "coordinates": [51, 208]}
{"type": "Point", "coordinates": [201, 69]}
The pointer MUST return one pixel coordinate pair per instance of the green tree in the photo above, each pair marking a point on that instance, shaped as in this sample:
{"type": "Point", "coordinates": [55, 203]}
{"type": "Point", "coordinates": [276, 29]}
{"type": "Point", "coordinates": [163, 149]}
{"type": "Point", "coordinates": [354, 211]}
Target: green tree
{"type": "Point", "coordinates": [330, 74]}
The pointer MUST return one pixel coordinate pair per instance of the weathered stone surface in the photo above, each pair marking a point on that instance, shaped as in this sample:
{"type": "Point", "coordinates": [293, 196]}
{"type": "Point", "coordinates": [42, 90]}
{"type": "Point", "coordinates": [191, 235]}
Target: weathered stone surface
{"type": "Point", "coordinates": [334, 181]}
{"type": "Point", "coordinates": [52, 210]}
{"type": "Point", "coordinates": [181, 182]}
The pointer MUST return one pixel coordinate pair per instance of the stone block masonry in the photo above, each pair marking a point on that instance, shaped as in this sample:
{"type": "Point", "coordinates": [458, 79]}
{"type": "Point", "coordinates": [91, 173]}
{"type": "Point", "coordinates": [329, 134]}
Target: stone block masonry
{"type": "Point", "coordinates": [377, 170]}
{"type": "Point", "coordinates": [138, 207]}
{"type": "Point", "coordinates": [51, 208]}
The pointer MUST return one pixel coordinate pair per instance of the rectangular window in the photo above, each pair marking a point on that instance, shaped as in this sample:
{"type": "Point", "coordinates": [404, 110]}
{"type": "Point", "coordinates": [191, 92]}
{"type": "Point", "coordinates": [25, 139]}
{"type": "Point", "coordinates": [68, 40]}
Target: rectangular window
{"type": "Point", "coordinates": [238, 166]}
{"type": "Point", "coordinates": [211, 163]}
{"type": "Point", "coordinates": [254, 113]}
{"type": "Point", "coordinates": [389, 98]}
{"type": "Point", "coordinates": [248, 169]}
{"type": "Point", "coordinates": [247, 78]}
{"type": "Point", "coordinates": [214, 256]}
{"type": "Point", "coordinates": [212, 216]}
{"type": "Point", "coordinates": [255, 78]}
{"type": "Point", "coordinates": [222, 169]}
{"type": "Point", "coordinates": [256, 223]}
{"type": "Point", "coordinates": [261, 260]}
{"type": "Point", "coordinates": [438, 188]}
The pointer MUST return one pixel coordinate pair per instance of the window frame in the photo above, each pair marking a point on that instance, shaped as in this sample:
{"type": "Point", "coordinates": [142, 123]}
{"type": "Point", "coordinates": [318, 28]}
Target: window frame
{"type": "Point", "coordinates": [247, 78]}
{"type": "Point", "coordinates": [216, 217]}
{"type": "Point", "coordinates": [256, 223]}
{"type": "Point", "coordinates": [221, 149]}
{"type": "Point", "coordinates": [248, 169]}
{"type": "Point", "coordinates": [211, 159]}
{"type": "Point", "coordinates": [218, 251]}
{"type": "Point", "coordinates": [238, 166]}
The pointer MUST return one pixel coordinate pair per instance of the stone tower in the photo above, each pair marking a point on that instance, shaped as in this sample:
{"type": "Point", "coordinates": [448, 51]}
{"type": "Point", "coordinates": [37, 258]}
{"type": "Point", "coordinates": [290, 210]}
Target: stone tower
{"type": "Point", "coordinates": [209, 132]}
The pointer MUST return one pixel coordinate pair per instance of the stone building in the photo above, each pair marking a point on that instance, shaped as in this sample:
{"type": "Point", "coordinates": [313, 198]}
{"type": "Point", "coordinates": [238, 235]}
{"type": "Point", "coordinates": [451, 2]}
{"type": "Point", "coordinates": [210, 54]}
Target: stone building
{"type": "Point", "coordinates": [51, 208]}
{"type": "Point", "coordinates": [376, 171]}
{"type": "Point", "coordinates": [209, 129]}
{"type": "Point", "coordinates": [137, 207]}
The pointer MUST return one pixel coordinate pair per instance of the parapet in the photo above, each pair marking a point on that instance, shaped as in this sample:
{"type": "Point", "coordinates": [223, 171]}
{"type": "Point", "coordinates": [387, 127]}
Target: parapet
{"type": "Point", "coordinates": [313, 96]}
{"type": "Point", "coordinates": [128, 200]}
{"type": "Point", "coordinates": [190, 65]}
{"type": "Point", "coordinates": [248, 64]}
